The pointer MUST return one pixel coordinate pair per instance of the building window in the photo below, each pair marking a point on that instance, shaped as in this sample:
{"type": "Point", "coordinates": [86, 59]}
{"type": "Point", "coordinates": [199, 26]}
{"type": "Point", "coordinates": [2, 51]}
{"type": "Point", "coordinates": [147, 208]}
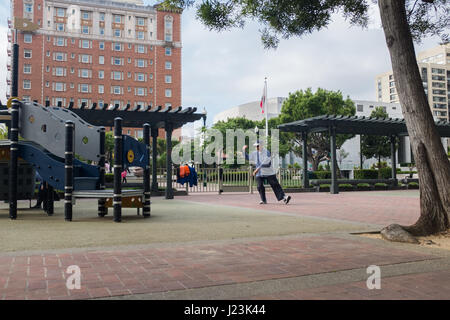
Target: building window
{"type": "Point", "coordinates": [27, 38]}
{"type": "Point", "coordinates": [140, 48]}
{"type": "Point", "coordinates": [60, 12]}
{"type": "Point", "coordinates": [117, 46]}
{"type": "Point", "coordinates": [59, 72]}
{"type": "Point", "coordinates": [116, 90]}
{"type": "Point", "coordinates": [27, 68]}
{"type": "Point", "coordinates": [85, 29]}
{"type": "Point", "coordinates": [58, 86]}
{"type": "Point", "coordinates": [117, 61]}
{"type": "Point", "coordinates": [101, 89]}
{"type": "Point", "coordinates": [140, 92]}
{"type": "Point", "coordinates": [27, 53]}
{"type": "Point", "coordinates": [360, 108]}
{"type": "Point", "coordinates": [60, 42]}
{"type": "Point", "coordinates": [117, 18]}
{"type": "Point", "coordinates": [84, 88]}
{"type": "Point", "coordinates": [101, 74]}
{"type": "Point", "coordinates": [59, 27]}
{"type": "Point", "coordinates": [101, 45]}
{"type": "Point", "coordinates": [85, 58]}
{"type": "Point", "coordinates": [102, 31]}
{"type": "Point", "coordinates": [168, 51]}
{"type": "Point", "coordinates": [140, 21]}
{"type": "Point", "coordinates": [85, 44]}
{"type": "Point", "coordinates": [101, 59]}
{"type": "Point", "coordinates": [168, 65]}
{"type": "Point", "coordinates": [27, 84]}
{"type": "Point", "coordinates": [84, 73]}
{"type": "Point", "coordinates": [117, 32]}
{"type": "Point", "coordinates": [85, 15]}
{"type": "Point", "coordinates": [168, 93]}
{"type": "Point", "coordinates": [102, 16]}
{"type": "Point", "coordinates": [28, 7]}
{"type": "Point", "coordinates": [168, 79]}
{"type": "Point", "coordinates": [117, 75]}
{"type": "Point", "coordinates": [140, 77]}
{"type": "Point", "coordinates": [140, 35]}
{"type": "Point", "coordinates": [140, 63]}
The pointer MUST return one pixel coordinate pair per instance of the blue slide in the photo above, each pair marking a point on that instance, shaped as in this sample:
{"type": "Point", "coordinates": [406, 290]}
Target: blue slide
{"type": "Point", "coordinates": [51, 167]}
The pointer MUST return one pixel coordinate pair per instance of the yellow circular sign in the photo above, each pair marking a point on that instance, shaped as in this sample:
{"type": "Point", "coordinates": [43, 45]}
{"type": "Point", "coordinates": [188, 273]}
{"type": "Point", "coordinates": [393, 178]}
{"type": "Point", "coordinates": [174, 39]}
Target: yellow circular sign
{"type": "Point", "coordinates": [130, 156]}
{"type": "Point", "coordinates": [9, 102]}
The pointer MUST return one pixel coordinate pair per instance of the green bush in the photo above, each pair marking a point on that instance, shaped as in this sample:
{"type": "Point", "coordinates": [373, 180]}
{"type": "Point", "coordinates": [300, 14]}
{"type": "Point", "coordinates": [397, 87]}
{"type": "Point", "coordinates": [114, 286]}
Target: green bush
{"type": "Point", "coordinates": [385, 173]}
{"type": "Point", "coordinates": [325, 186]}
{"type": "Point", "coordinates": [380, 184]}
{"type": "Point", "coordinates": [413, 185]}
{"type": "Point", "coordinates": [322, 174]}
{"type": "Point", "coordinates": [363, 185]}
{"type": "Point", "coordinates": [346, 186]}
{"type": "Point", "coordinates": [366, 174]}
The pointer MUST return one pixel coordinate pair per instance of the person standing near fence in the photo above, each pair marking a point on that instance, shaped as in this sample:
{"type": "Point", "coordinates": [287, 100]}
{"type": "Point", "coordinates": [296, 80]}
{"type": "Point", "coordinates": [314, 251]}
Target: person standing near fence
{"type": "Point", "coordinates": [261, 158]}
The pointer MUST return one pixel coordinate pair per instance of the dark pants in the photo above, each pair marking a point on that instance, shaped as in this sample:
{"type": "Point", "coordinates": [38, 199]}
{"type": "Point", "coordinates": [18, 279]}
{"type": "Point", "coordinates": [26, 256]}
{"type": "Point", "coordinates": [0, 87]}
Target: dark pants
{"type": "Point", "coordinates": [273, 181]}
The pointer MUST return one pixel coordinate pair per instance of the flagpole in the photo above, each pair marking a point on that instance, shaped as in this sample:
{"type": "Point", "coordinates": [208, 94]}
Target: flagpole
{"type": "Point", "coordinates": [265, 111]}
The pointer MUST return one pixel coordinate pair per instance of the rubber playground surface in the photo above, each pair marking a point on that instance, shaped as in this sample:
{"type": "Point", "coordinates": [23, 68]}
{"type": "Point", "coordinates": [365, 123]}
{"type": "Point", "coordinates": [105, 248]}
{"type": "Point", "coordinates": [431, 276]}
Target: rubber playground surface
{"type": "Point", "coordinates": [209, 246]}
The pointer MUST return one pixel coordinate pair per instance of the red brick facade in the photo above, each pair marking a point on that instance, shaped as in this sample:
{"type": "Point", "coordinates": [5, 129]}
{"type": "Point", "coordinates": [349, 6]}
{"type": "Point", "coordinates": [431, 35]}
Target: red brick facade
{"type": "Point", "coordinates": [70, 66]}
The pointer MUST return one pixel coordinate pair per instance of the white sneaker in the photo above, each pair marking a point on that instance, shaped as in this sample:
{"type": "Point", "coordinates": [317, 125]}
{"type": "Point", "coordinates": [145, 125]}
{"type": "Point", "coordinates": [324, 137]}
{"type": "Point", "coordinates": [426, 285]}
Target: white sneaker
{"type": "Point", "coordinates": [262, 202]}
{"type": "Point", "coordinates": [286, 200]}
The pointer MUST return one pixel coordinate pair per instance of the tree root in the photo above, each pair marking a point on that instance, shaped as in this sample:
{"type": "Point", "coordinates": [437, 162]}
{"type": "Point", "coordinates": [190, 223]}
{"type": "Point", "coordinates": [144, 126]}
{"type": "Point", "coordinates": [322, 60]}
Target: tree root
{"type": "Point", "coordinates": [397, 233]}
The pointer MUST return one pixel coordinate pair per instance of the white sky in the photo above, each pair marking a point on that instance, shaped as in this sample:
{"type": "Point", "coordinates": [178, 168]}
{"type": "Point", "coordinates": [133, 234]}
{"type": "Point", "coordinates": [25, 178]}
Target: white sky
{"type": "Point", "coordinates": [223, 70]}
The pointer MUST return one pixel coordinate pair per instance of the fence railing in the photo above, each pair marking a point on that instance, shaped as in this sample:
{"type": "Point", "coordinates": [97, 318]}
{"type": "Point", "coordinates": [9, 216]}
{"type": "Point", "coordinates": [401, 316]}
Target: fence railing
{"type": "Point", "coordinates": [229, 179]}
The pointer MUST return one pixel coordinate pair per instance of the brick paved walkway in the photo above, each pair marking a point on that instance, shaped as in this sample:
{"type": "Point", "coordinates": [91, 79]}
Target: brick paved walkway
{"type": "Point", "coordinates": [376, 207]}
{"type": "Point", "coordinates": [162, 268]}
{"type": "Point", "coordinates": [423, 286]}
{"type": "Point", "coordinates": [223, 268]}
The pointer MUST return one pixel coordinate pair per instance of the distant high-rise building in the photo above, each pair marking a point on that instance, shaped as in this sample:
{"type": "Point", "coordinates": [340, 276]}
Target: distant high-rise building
{"type": "Point", "coordinates": [434, 67]}
{"type": "Point", "coordinates": [119, 52]}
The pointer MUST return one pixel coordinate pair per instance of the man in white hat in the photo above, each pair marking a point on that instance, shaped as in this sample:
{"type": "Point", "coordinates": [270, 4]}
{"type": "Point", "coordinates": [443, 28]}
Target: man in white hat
{"type": "Point", "coordinates": [262, 160]}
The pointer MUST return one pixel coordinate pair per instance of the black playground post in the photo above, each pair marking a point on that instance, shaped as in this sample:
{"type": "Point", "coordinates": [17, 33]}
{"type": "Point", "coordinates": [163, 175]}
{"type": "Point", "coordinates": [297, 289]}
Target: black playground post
{"type": "Point", "coordinates": [169, 190]}
{"type": "Point", "coordinates": [118, 161]}
{"type": "Point", "coordinates": [14, 151]}
{"type": "Point", "coordinates": [101, 167]}
{"type": "Point", "coordinates": [68, 187]}
{"type": "Point", "coordinates": [50, 200]}
{"type": "Point", "coordinates": [154, 157]}
{"type": "Point", "coordinates": [146, 211]}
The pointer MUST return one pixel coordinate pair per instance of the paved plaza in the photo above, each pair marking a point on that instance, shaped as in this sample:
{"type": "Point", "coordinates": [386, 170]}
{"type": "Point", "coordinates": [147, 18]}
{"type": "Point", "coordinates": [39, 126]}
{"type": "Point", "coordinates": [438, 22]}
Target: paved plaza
{"type": "Point", "coordinates": [206, 246]}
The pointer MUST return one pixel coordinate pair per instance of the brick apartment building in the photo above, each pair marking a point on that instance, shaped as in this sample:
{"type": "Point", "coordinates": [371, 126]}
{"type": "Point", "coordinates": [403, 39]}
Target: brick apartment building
{"type": "Point", "coordinates": [119, 52]}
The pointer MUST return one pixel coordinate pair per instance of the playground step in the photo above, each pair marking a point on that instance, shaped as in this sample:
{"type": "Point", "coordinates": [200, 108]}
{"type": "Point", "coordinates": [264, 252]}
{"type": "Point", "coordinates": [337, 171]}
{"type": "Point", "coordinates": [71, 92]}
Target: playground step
{"type": "Point", "coordinates": [85, 183]}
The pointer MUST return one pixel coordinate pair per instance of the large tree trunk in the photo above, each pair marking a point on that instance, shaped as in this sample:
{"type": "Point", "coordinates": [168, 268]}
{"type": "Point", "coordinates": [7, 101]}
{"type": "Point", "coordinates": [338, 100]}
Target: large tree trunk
{"type": "Point", "coordinates": [432, 164]}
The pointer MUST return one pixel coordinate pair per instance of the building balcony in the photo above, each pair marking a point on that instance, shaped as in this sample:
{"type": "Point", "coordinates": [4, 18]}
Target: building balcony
{"type": "Point", "coordinates": [9, 52]}
{"type": "Point", "coordinates": [9, 23]}
{"type": "Point", "coordinates": [9, 38]}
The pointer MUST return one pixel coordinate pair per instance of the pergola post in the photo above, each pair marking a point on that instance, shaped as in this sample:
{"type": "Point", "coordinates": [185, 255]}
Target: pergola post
{"type": "Point", "coordinates": [13, 160]}
{"type": "Point", "coordinates": [393, 160]}
{"type": "Point", "coordinates": [334, 188]}
{"type": "Point", "coordinates": [169, 129]}
{"type": "Point", "coordinates": [118, 167]}
{"type": "Point", "coordinates": [305, 159]}
{"type": "Point", "coordinates": [146, 209]}
{"type": "Point", "coordinates": [154, 133]}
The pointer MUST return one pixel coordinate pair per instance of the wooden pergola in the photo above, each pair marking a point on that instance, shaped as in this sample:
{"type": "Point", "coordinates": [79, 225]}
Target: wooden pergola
{"type": "Point", "coordinates": [333, 125]}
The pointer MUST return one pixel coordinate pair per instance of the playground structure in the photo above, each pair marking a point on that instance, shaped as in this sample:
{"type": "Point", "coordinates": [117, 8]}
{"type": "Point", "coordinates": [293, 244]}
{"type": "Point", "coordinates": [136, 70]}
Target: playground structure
{"type": "Point", "coordinates": [54, 136]}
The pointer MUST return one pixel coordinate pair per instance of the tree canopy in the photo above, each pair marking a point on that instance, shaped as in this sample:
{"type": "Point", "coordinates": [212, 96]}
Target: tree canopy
{"type": "Point", "coordinates": [307, 104]}
{"type": "Point", "coordinates": [286, 18]}
{"type": "Point", "coordinates": [376, 146]}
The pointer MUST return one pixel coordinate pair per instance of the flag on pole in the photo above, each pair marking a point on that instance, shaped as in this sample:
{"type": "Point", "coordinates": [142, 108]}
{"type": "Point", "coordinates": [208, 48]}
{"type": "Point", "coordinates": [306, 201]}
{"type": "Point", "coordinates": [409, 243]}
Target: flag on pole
{"type": "Point", "coordinates": [262, 104]}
